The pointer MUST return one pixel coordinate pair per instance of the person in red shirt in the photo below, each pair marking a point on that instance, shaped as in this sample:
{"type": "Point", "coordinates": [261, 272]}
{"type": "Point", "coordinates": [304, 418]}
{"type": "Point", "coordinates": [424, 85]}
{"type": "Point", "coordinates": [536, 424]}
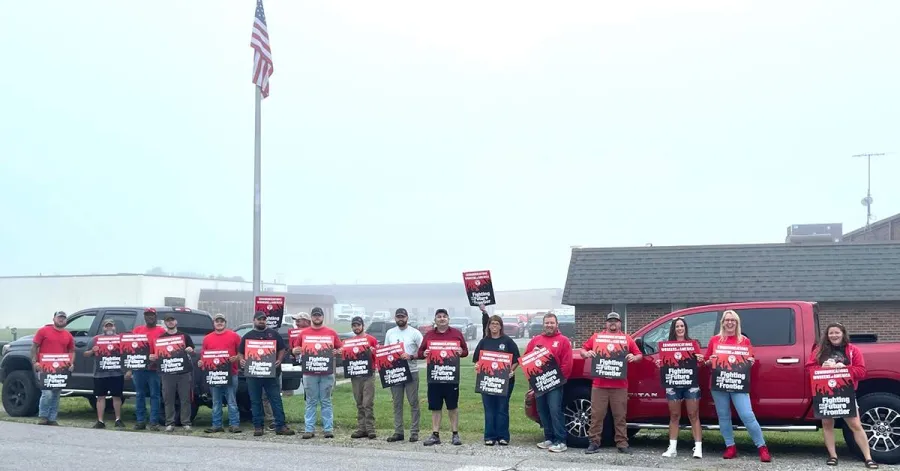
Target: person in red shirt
{"type": "Point", "coordinates": [730, 334]}
{"type": "Point", "coordinates": [834, 350]}
{"type": "Point", "coordinates": [364, 388]}
{"type": "Point", "coordinates": [318, 386]}
{"type": "Point", "coordinates": [678, 331]}
{"type": "Point", "coordinates": [147, 380]}
{"type": "Point", "coordinates": [549, 405]}
{"type": "Point", "coordinates": [440, 393]}
{"type": "Point", "coordinates": [224, 339]}
{"type": "Point", "coordinates": [52, 338]}
{"type": "Point", "coordinates": [610, 393]}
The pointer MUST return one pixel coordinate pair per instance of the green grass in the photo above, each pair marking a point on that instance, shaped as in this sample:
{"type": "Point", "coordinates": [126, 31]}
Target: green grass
{"type": "Point", "coordinates": [6, 335]}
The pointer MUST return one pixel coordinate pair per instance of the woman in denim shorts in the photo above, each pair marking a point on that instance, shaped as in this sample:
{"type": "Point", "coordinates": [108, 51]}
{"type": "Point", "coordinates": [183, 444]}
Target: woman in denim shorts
{"type": "Point", "coordinates": [690, 396]}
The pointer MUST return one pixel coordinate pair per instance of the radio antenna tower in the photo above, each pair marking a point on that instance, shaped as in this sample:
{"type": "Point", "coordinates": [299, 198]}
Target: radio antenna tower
{"type": "Point", "coordinates": [867, 201]}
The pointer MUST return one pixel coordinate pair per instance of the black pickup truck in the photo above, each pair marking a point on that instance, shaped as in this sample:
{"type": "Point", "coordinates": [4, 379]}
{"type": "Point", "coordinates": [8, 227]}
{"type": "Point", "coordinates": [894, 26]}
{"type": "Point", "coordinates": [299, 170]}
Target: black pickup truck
{"type": "Point", "coordinates": [20, 390]}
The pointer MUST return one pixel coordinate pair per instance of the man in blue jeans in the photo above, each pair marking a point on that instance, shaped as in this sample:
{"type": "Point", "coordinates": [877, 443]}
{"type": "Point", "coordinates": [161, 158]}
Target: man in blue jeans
{"type": "Point", "coordinates": [52, 339]}
{"type": "Point", "coordinates": [271, 386]}
{"type": "Point", "coordinates": [147, 380]}
{"type": "Point", "coordinates": [223, 339]}
{"type": "Point", "coordinates": [317, 386]}
{"type": "Point", "coordinates": [549, 405]}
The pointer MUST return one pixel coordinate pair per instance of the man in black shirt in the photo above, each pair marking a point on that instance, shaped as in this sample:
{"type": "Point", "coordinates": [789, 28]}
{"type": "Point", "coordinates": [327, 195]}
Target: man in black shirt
{"type": "Point", "coordinates": [271, 386]}
{"type": "Point", "coordinates": [178, 383]}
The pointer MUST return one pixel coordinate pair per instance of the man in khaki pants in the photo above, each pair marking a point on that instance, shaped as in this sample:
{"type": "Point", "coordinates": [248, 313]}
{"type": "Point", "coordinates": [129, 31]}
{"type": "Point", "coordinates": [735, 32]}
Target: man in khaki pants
{"type": "Point", "coordinates": [364, 389]}
{"type": "Point", "coordinates": [610, 393]}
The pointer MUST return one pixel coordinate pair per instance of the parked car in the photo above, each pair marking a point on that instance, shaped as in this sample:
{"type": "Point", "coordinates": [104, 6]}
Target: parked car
{"type": "Point", "coordinates": [783, 334]}
{"type": "Point", "coordinates": [466, 326]}
{"type": "Point", "coordinates": [378, 329]}
{"type": "Point", "coordinates": [536, 326]}
{"type": "Point", "coordinates": [513, 327]}
{"type": "Point", "coordinates": [291, 374]}
{"type": "Point", "coordinates": [567, 325]}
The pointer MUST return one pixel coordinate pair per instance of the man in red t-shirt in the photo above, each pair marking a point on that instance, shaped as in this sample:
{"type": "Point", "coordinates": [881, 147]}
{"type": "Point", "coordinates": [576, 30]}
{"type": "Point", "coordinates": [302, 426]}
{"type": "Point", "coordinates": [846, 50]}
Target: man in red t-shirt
{"type": "Point", "coordinates": [147, 380]}
{"type": "Point", "coordinates": [52, 338]}
{"type": "Point", "coordinates": [443, 393]}
{"type": "Point", "coordinates": [318, 387]}
{"type": "Point", "coordinates": [610, 393]}
{"type": "Point", "coordinates": [364, 387]}
{"type": "Point", "coordinates": [224, 339]}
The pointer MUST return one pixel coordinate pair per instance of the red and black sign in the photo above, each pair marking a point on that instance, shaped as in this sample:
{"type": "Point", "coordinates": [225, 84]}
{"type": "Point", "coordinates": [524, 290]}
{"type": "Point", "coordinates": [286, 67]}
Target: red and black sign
{"type": "Point", "coordinates": [542, 370]}
{"type": "Point", "coordinates": [54, 372]}
{"type": "Point", "coordinates": [217, 365]}
{"type": "Point", "coordinates": [135, 351]}
{"type": "Point", "coordinates": [392, 370]}
{"type": "Point", "coordinates": [109, 353]}
{"type": "Point", "coordinates": [273, 306]}
{"type": "Point", "coordinates": [479, 287]}
{"type": "Point", "coordinates": [259, 357]}
{"type": "Point", "coordinates": [293, 341]}
{"type": "Point", "coordinates": [443, 361]}
{"type": "Point", "coordinates": [833, 393]}
{"type": "Point", "coordinates": [679, 364]}
{"type": "Point", "coordinates": [357, 356]}
{"type": "Point", "coordinates": [492, 373]}
{"type": "Point", "coordinates": [171, 355]}
{"type": "Point", "coordinates": [730, 369]}
{"type": "Point", "coordinates": [318, 354]}
{"type": "Point", "coordinates": [609, 361]}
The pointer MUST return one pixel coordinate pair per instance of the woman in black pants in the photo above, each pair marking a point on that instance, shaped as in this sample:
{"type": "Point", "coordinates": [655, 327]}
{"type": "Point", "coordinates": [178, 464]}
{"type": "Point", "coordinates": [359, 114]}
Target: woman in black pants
{"type": "Point", "coordinates": [496, 408]}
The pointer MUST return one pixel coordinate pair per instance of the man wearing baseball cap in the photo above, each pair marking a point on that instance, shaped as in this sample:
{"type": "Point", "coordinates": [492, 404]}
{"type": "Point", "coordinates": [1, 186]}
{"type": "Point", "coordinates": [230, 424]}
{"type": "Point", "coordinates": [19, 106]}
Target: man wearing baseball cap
{"type": "Point", "coordinates": [147, 380]}
{"type": "Point", "coordinates": [610, 393]}
{"type": "Point", "coordinates": [52, 338]}
{"type": "Point", "coordinates": [318, 387]}
{"type": "Point", "coordinates": [364, 389]}
{"type": "Point", "coordinates": [224, 339]}
{"type": "Point", "coordinates": [178, 384]}
{"type": "Point", "coordinates": [106, 383]}
{"type": "Point", "coordinates": [271, 386]}
{"type": "Point", "coordinates": [411, 339]}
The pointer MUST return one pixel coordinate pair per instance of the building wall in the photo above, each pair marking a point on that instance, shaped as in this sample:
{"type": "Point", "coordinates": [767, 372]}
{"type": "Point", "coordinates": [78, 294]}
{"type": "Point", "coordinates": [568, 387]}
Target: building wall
{"type": "Point", "coordinates": [877, 317]}
{"type": "Point", "coordinates": [881, 231]}
{"type": "Point", "coordinates": [241, 312]}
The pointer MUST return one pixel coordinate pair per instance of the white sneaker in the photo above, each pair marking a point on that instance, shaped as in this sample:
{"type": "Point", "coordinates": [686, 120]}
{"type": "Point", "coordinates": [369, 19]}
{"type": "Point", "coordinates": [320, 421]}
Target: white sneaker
{"type": "Point", "coordinates": [670, 453]}
{"type": "Point", "coordinates": [698, 452]}
{"type": "Point", "coordinates": [545, 444]}
{"type": "Point", "coordinates": [558, 448]}
{"type": "Point", "coordinates": [170, 428]}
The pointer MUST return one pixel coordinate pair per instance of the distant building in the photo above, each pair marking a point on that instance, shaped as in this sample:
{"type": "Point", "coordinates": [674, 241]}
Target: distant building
{"type": "Point", "coordinates": [879, 231]}
{"type": "Point", "coordinates": [857, 284]}
{"type": "Point", "coordinates": [238, 306]}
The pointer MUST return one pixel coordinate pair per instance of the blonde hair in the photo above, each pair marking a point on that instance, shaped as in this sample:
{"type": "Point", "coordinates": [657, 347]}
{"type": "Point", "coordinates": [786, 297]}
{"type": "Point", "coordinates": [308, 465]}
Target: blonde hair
{"type": "Point", "coordinates": [737, 329]}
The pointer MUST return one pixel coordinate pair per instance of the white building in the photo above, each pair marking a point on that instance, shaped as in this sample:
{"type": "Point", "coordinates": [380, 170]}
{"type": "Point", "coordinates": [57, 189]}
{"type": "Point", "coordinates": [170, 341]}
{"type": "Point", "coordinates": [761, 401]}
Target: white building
{"type": "Point", "coordinates": [30, 301]}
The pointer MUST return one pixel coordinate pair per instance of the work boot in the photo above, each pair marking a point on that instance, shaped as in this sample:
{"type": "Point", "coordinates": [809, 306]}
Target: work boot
{"type": "Point", "coordinates": [358, 434]}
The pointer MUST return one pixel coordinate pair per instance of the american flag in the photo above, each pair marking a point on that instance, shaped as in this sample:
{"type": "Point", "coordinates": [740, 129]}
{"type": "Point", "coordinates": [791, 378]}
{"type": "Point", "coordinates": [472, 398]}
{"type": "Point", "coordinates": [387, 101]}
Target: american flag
{"type": "Point", "coordinates": [262, 53]}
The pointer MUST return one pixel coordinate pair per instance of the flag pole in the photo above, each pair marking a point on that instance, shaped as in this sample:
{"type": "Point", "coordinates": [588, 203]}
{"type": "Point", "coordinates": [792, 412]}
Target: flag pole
{"type": "Point", "coordinates": [257, 166]}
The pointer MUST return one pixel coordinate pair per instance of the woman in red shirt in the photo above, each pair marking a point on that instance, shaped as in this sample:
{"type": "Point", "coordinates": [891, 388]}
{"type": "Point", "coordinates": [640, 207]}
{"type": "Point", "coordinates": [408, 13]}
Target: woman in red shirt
{"type": "Point", "coordinates": [834, 350]}
{"type": "Point", "coordinates": [678, 331]}
{"type": "Point", "coordinates": [730, 334]}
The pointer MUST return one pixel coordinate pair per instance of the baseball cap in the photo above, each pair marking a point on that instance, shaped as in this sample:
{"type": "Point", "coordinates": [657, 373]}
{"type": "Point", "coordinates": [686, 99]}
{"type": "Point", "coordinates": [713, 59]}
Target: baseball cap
{"type": "Point", "coordinates": [60, 314]}
{"type": "Point", "coordinates": [401, 312]}
{"type": "Point", "coordinates": [357, 320]}
{"type": "Point", "coordinates": [169, 316]}
{"type": "Point", "coordinates": [109, 322]}
{"type": "Point", "coordinates": [259, 315]}
{"type": "Point", "coordinates": [441, 311]}
{"type": "Point", "coordinates": [317, 311]}
{"type": "Point", "coordinates": [302, 315]}
{"type": "Point", "coordinates": [613, 316]}
{"type": "Point", "coordinates": [149, 310]}
{"type": "Point", "coordinates": [219, 316]}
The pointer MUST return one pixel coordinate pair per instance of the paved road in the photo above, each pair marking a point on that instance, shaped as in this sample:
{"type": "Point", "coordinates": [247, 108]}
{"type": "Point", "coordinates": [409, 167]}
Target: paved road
{"type": "Point", "coordinates": [28, 446]}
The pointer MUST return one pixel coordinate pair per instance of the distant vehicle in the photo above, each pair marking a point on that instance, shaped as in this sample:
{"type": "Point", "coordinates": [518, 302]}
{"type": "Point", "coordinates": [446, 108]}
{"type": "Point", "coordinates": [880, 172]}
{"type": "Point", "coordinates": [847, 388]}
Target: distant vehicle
{"type": "Point", "coordinates": [567, 325]}
{"type": "Point", "coordinates": [513, 327]}
{"type": "Point", "coordinates": [466, 326]}
{"type": "Point", "coordinates": [377, 329]}
{"type": "Point", "coordinates": [381, 315]}
{"type": "Point", "coordinates": [536, 326]}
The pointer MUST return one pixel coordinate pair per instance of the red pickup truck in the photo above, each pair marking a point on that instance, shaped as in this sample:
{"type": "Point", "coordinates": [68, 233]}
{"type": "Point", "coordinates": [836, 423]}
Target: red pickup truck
{"type": "Point", "coordinates": [783, 335]}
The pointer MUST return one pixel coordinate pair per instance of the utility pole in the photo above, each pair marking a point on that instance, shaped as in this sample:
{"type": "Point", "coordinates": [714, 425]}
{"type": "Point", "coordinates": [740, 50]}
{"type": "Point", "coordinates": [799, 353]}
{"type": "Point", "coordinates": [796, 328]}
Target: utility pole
{"type": "Point", "coordinates": [867, 201]}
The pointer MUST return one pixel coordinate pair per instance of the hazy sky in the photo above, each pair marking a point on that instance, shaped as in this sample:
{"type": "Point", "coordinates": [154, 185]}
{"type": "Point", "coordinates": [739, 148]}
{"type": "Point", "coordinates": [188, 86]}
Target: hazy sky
{"type": "Point", "coordinates": [409, 141]}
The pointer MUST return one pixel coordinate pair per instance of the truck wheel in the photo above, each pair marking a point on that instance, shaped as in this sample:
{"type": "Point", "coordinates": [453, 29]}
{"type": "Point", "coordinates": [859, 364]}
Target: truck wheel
{"type": "Point", "coordinates": [21, 394]}
{"type": "Point", "coordinates": [880, 416]}
{"type": "Point", "coordinates": [577, 414]}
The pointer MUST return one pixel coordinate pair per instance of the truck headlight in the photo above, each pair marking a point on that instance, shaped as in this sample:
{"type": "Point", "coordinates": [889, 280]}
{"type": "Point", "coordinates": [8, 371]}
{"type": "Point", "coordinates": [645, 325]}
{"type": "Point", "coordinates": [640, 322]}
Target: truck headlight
{"type": "Point", "coordinates": [5, 349]}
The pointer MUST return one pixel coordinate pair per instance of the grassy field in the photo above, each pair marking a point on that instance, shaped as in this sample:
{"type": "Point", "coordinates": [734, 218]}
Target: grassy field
{"type": "Point", "coordinates": [77, 412]}
{"type": "Point", "coordinates": [6, 335]}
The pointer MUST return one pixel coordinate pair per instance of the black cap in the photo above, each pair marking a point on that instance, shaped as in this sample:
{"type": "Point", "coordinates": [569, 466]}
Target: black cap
{"type": "Point", "coordinates": [259, 315]}
{"type": "Point", "coordinates": [169, 316]}
{"type": "Point", "coordinates": [59, 314]}
{"type": "Point", "coordinates": [401, 312]}
{"type": "Point", "coordinates": [357, 321]}
{"type": "Point", "coordinates": [441, 311]}
{"type": "Point", "coordinates": [317, 311]}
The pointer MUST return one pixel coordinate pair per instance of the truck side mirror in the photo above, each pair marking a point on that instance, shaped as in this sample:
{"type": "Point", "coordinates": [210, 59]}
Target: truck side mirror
{"type": "Point", "coordinates": [640, 345]}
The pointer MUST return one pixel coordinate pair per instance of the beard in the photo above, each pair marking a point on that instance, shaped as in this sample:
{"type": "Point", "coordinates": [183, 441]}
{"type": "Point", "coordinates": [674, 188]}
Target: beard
{"type": "Point", "coordinates": [259, 327]}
